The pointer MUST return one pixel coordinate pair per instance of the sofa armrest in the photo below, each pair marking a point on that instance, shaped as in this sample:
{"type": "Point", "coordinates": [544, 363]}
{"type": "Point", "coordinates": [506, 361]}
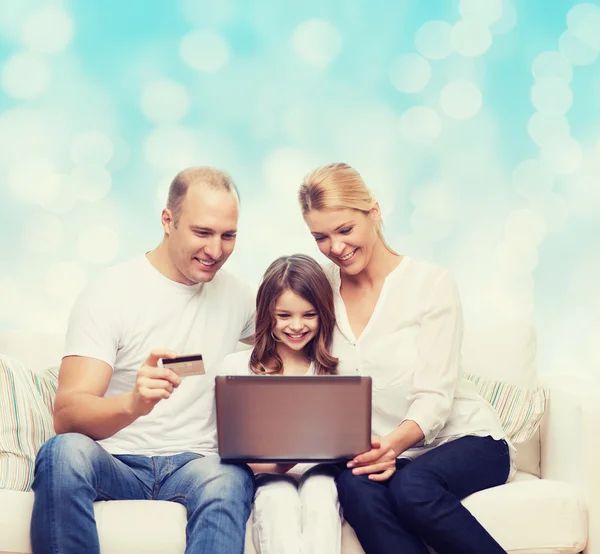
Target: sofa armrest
{"type": "Point", "coordinates": [570, 443]}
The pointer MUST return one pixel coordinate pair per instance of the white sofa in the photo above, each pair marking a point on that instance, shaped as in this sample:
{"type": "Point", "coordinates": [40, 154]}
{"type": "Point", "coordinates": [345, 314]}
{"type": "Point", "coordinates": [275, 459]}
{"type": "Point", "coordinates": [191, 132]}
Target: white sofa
{"type": "Point", "coordinates": [552, 506]}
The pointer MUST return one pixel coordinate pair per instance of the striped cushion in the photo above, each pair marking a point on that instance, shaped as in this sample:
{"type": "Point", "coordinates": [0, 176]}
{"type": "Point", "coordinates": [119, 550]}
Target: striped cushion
{"type": "Point", "coordinates": [25, 420]}
{"type": "Point", "coordinates": [47, 384]}
{"type": "Point", "coordinates": [520, 409]}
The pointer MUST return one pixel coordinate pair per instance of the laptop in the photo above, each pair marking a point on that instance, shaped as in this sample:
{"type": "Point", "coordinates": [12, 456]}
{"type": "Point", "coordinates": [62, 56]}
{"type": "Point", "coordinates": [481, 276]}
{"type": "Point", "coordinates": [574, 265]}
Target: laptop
{"type": "Point", "coordinates": [277, 418]}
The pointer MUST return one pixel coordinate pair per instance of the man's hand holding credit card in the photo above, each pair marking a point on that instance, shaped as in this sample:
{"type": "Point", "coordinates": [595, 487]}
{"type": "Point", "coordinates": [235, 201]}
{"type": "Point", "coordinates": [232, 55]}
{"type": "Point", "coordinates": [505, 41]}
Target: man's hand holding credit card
{"type": "Point", "coordinates": [184, 366]}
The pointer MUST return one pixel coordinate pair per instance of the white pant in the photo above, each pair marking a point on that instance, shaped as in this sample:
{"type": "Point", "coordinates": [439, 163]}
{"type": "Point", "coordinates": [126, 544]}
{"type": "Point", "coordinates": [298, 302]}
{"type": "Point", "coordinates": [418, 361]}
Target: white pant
{"type": "Point", "coordinates": [297, 518]}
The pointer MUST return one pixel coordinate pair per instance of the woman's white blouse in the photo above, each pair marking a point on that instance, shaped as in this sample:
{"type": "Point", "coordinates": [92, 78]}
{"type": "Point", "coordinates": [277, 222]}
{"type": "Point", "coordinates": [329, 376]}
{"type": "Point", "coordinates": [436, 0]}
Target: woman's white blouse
{"type": "Point", "coordinates": [411, 350]}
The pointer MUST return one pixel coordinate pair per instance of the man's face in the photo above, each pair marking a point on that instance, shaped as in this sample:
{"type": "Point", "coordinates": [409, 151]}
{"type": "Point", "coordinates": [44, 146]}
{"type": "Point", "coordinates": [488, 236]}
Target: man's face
{"type": "Point", "coordinates": [205, 234]}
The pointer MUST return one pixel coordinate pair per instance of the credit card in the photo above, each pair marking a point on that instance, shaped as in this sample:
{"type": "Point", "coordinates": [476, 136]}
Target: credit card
{"type": "Point", "coordinates": [185, 366]}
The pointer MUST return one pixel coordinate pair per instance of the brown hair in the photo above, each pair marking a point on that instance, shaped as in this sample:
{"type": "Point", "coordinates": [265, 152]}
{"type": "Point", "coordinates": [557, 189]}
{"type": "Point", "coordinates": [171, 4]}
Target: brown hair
{"type": "Point", "coordinates": [304, 276]}
{"type": "Point", "coordinates": [207, 176]}
{"type": "Point", "coordinates": [337, 186]}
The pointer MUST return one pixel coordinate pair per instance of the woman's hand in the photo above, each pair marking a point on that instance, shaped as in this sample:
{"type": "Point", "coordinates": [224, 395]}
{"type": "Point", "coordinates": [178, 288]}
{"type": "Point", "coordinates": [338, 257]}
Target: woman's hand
{"type": "Point", "coordinates": [379, 462]}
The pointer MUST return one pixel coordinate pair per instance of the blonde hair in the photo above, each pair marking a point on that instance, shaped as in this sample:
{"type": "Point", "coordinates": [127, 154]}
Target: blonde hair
{"type": "Point", "coordinates": [337, 186]}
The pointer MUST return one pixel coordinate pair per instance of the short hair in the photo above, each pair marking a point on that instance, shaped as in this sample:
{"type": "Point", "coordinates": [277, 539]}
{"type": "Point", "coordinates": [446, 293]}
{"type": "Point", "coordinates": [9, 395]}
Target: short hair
{"type": "Point", "coordinates": [209, 177]}
{"type": "Point", "coordinates": [304, 276]}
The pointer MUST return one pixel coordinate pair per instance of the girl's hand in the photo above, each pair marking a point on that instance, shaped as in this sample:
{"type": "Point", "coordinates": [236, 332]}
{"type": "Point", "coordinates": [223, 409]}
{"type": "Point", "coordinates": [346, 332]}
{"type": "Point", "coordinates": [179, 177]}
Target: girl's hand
{"type": "Point", "coordinates": [379, 462]}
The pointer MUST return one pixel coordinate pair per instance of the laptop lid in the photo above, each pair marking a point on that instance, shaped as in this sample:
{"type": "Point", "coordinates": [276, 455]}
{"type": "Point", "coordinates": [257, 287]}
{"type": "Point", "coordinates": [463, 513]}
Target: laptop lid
{"type": "Point", "coordinates": [292, 419]}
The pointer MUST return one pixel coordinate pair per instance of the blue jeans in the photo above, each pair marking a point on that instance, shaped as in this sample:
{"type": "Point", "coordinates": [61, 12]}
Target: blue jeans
{"type": "Point", "coordinates": [72, 471]}
{"type": "Point", "coordinates": [421, 501]}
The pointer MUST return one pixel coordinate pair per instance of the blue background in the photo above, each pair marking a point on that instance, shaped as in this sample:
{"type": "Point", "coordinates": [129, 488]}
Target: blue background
{"type": "Point", "coordinates": [479, 134]}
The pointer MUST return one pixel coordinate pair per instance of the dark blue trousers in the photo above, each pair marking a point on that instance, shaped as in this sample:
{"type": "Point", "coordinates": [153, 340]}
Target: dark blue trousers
{"type": "Point", "coordinates": [421, 502]}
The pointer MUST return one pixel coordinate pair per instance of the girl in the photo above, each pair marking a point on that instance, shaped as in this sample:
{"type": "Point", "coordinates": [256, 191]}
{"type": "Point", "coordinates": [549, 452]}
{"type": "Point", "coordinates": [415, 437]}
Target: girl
{"type": "Point", "coordinates": [399, 320]}
{"type": "Point", "coordinates": [296, 509]}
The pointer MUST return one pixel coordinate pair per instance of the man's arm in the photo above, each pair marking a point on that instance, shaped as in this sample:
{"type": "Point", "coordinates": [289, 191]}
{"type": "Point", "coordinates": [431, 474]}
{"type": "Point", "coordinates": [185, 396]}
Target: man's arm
{"type": "Point", "coordinates": [80, 406]}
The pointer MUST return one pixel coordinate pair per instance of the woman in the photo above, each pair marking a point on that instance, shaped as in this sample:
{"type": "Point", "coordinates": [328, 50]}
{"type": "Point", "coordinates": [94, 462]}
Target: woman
{"type": "Point", "coordinates": [399, 321]}
{"type": "Point", "coordinates": [296, 507]}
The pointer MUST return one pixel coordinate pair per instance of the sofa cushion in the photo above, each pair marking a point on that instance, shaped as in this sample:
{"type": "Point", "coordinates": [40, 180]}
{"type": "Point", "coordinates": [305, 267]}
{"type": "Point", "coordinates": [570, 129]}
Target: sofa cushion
{"type": "Point", "coordinates": [25, 421]}
{"type": "Point", "coordinates": [506, 351]}
{"type": "Point", "coordinates": [114, 517]}
{"type": "Point", "coordinates": [527, 516]}
{"type": "Point", "coordinates": [528, 455]}
{"type": "Point", "coordinates": [15, 516]}
{"type": "Point", "coordinates": [532, 515]}
{"type": "Point", "coordinates": [520, 409]}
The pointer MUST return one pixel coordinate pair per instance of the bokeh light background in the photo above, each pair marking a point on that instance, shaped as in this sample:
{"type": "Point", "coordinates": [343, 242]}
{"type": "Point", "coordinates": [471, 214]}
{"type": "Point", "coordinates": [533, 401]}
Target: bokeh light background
{"type": "Point", "coordinates": [475, 122]}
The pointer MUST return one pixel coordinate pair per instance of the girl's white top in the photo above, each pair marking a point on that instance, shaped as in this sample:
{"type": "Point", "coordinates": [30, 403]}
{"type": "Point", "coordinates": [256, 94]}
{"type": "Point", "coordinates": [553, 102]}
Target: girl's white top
{"type": "Point", "coordinates": [238, 363]}
{"type": "Point", "coordinates": [411, 350]}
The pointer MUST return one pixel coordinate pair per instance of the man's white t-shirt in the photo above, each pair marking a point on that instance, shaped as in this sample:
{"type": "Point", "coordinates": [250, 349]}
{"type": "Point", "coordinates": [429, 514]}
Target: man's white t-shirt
{"type": "Point", "coordinates": [133, 309]}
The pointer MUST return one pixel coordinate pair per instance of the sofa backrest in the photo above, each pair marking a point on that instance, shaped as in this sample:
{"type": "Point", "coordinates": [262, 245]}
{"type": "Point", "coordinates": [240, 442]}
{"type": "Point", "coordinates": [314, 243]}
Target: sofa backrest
{"type": "Point", "coordinates": [503, 352]}
{"type": "Point", "coordinates": [38, 351]}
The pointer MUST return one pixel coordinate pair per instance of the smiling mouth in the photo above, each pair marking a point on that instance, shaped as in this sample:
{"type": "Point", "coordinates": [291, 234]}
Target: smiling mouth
{"type": "Point", "coordinates": [296, 336]}
{"type": "Point", "coordinates": [205, 263]}
{"type": "Point", "coordinates": [348, 256]}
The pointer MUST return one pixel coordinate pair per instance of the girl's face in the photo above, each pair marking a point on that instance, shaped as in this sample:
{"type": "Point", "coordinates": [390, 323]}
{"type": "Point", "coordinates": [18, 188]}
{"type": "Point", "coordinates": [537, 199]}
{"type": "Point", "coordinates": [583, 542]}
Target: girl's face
{"type": "Point", "coordinates": [345, 236]}
{"type": "Point", "coordinates": [296, 321]}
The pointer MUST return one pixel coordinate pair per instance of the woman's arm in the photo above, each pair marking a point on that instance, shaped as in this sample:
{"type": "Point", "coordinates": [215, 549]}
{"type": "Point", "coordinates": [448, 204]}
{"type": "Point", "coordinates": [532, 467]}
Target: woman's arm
{"type": "Point", "coordinates": [405, 436]}
{"type": "Point", "coordinates": [80, 405]}
{"type": "Point", "coordinates": [438, 345]}
{"type": "Point", "coordinates": [434, 382]}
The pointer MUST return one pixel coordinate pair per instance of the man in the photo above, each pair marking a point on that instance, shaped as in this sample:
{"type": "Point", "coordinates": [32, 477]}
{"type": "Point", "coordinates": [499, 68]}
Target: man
{"type": "Point", "coordinates": [129, 429]}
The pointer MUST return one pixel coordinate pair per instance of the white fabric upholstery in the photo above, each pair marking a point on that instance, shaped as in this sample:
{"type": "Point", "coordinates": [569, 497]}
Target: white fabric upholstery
{"type": "Point", "coordinates": [528, 455]}
{"type": "Point", "coordinates": [558, 524]}
{"type": "Point", "coordinates": [570, 443]}
{"type": "Point", "coordinates": [38, 351]}
{"type": "Point", "coordinates": [532, 515]}
{"type": "Point", "coordinates": [140, 519]}
{"type": "Point", "coordinates": [15, 516]}
{"type": "Point", "coordinates": [553, 515]}
{"type": "Point", "coordinates": [502, 352]}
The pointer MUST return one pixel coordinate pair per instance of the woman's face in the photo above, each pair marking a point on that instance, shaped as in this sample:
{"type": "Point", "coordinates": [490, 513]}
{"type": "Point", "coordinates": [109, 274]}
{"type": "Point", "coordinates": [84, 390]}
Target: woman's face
{"type": "Point", "coordinates": [345, 236]}
{"type": "Point", "coordinates": [296, 321]}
